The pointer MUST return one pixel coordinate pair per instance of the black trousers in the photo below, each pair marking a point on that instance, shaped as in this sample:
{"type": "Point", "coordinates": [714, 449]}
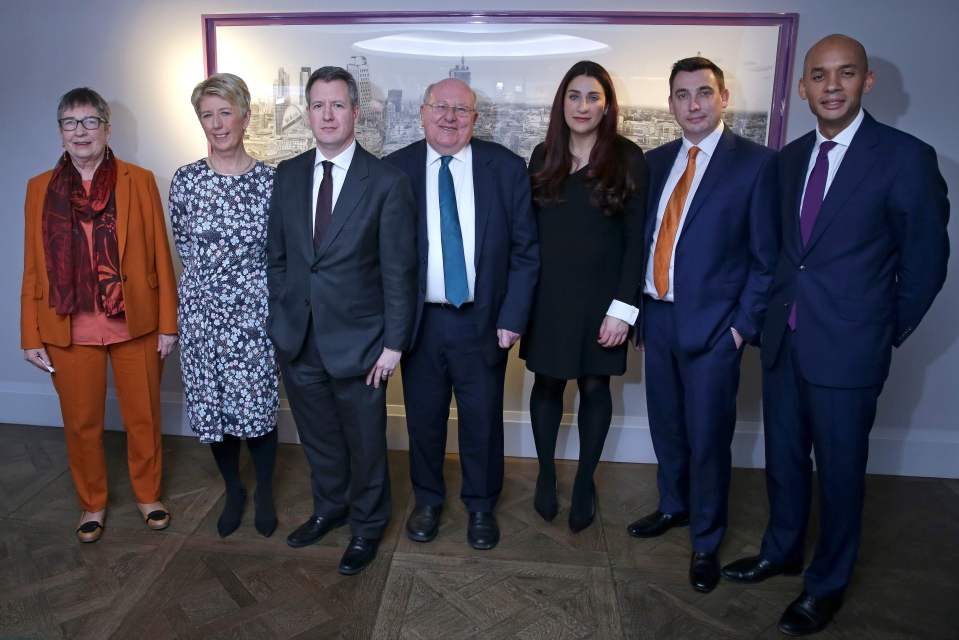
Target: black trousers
{"type": "Point", "coordinates": [446, 360]}
{"type": "Point", "coordinates": [342, 427]}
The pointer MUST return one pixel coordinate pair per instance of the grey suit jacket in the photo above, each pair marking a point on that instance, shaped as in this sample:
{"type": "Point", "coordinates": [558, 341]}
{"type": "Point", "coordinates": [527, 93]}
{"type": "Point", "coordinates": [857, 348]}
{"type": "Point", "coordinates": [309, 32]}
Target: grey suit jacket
{"type": "Point", "coordinates": [359, 285]}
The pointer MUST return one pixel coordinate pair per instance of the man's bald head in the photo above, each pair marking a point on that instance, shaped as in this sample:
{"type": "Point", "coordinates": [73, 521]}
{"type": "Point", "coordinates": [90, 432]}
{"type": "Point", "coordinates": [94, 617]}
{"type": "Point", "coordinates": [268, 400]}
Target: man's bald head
{"type": "Point", "coordinates": [838, 40]}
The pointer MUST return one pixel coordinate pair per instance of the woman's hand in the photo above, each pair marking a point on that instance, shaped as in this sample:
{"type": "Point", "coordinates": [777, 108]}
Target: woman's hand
{"type": "Point", "coordinates": [39, 359]}
{"type": "Point", "coordinates": [612, 332]}
{"type": "Point", "coordinates": [165, 344]}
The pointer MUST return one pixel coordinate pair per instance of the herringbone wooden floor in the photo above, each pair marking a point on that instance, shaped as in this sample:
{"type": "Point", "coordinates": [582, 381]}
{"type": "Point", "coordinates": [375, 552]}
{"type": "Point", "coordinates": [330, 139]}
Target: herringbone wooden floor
{"type": "Point", "coordinates": [540, 582]}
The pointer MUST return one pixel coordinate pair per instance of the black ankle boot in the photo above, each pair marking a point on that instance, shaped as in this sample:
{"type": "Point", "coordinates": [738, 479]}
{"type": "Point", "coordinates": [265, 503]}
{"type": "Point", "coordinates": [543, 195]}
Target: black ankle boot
{"type": "Point", "coordinates": [232, 511]}
{"type": "Point", "coordinates": [265, 519]}
{"type": "Point", "coordinates": [582, 509]}
{"type": "Point", "coordinates": [545, 499]}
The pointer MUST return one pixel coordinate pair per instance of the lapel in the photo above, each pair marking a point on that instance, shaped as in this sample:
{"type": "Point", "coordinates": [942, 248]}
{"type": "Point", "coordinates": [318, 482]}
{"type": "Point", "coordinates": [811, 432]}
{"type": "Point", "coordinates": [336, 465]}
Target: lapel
{"type": "Point", "coordinates": [658, 172]}
{"type": "Point", "coordinates": [718, 166]}
{"type": "Point", "coordinates": [483, 188]}
{"type": "Point", "coordinates": [354, 186]}
{"type": "Point", "coordinates": [302, 224]}
{"type": "Point", "coordinates": [856, 165]}
{"type": "Point", "coordinates": [417, 174]}
{"type": "Point", "coordinates": [122, 195]}
{"type": "Point", "coordinates": [796, 164]}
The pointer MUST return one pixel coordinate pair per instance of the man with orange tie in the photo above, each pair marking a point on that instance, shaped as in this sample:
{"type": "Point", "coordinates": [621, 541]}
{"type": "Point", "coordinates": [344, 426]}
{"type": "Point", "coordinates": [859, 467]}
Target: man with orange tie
{"type": "Point", "coordinates": [712, 246]}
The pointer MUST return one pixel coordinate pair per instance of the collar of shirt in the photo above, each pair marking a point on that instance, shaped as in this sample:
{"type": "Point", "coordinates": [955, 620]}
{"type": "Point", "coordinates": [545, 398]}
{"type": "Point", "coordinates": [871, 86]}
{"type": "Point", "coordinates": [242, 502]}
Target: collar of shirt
{"type": "Point", "coordinates": [464, 155]}
{"type": "Point", "coordinates": [342, 160]}
{"type": "Point", "coordinates": [706, 146]}
{"type": "Point", "coordinates": [844, 137]}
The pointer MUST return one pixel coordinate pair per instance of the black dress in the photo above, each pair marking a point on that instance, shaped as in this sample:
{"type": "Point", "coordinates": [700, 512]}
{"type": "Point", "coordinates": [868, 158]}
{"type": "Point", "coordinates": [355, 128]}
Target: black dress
{"type": "Point", "coordinates": [587, 259]}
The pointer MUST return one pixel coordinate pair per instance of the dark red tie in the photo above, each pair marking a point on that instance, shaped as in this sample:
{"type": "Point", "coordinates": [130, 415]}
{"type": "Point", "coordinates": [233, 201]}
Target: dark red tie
{"type": "Point", "coordinates": [324, 205]}
{"type": "Point", "coordinates": [812, 203]}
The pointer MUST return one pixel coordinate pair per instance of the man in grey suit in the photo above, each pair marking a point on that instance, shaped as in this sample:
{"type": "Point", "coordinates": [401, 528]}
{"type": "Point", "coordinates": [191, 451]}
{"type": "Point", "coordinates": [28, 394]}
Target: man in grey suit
{"type": "Point", "coordinates": [341, 269]}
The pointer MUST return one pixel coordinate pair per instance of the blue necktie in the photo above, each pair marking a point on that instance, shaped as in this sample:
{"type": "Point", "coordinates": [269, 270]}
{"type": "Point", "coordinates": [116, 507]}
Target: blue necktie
{"type": "Point", "coordinates": [451, 237]}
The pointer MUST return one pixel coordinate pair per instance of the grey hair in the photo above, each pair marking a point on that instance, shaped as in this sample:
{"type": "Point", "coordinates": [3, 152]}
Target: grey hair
{"type": "Point", "coordinates": [83, 97]}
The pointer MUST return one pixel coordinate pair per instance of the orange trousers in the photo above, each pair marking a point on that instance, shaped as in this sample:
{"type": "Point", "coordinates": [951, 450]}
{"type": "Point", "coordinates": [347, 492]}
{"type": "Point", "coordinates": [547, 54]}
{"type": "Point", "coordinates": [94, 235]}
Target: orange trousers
{"type": "Point", "coordinates": [81, 383]}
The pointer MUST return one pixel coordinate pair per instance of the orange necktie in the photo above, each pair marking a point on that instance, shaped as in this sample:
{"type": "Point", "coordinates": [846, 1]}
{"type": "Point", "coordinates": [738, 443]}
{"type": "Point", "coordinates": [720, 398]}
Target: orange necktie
{"type": "Point", "coordinates": [670, 224]}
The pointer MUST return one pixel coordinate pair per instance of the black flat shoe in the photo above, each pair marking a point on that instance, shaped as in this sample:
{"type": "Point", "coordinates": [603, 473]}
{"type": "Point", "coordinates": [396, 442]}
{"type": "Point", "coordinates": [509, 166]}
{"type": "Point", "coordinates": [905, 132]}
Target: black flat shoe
{"type": "Point", "coordinates": [544, 502]}
{"type": "Point", "coordinates": [89, 531]}
{"type": "Point", "coordinates": [756, 569]}
{"type": "Point", "coordinates": [704, 571]}
{"type": "Point", "coordinates": [314, 529]}
{"type": "Point", "coordinates": [265, 518]}
{"type": "Point", "coordinates": [807, 615]}
{"type": "Point", "coordinates": [581, 517]}
{"type": "Point", "coordinates": [232, 515]}
{"type": "Point", "coordinates": [359, 553]}
{"type": "Point", "coordinates": [424, 523]}
{"type": "Point", "coordinates": [483, 531]}
{"type": "Point", "coordinates": [656, 524]}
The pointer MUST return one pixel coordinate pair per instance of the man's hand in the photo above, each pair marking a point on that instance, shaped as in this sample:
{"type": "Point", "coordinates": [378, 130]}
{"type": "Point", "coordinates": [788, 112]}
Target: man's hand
{"type": "Point", "coordinates": [39, 359]}
{"type": "Point", "coordinates": [165, 344]}
{"type": "Point", "coordinates": [384, 367]}
{"type": "Point", "coordinates": [738, 338]}
{"type": "Point", "coordinates": [612, 332]}
{"type": "Point", "coordinates": [506, 338]}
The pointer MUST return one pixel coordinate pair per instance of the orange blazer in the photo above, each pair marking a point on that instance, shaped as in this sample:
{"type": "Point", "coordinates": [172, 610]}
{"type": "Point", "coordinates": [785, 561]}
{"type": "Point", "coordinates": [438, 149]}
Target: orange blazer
{"type": "Point", "coordinates": [146, 269]}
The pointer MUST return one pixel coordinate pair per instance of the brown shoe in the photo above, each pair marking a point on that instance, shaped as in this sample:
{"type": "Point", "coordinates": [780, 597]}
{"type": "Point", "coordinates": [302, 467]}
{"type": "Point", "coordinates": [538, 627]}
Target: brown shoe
{"type": "Point", "coordinates": [156, 519]}
{"type": "Point", "coordinates": [90, 530]}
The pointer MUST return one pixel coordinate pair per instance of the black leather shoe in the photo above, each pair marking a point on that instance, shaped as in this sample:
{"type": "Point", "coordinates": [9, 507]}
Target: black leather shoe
{"type": "Point", "coordinates": [581, 517]}
{"type": "Point", "coordinates": [359, 553]}
{"type": "Point", "coordinates": [704, 571]}
{"type": "Point", "coordinates": [807, 614]}
{"type": "Point", "coordinates": [482, 532]}
{"type": "Point", "coordinates": [424, 523]}
{"type": "Point", "coordinates": [314, 529]}
{"type": "Point", "coordinates": [656, 524]}
{"type": "Point", "coordinates": [545, 501]}
{"type": "Point", "coordinates": [756, 569]}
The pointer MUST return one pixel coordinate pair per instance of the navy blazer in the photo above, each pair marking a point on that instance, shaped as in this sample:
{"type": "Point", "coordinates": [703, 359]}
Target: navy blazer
{"type": "Point", "coordinates": [726, 254]}
{"type": "Point", "coordinates": [358, 286]}
{"type": "Point", "coordinates": [875, 260]}
{"type": "Point", "coordinates": [507, 246]}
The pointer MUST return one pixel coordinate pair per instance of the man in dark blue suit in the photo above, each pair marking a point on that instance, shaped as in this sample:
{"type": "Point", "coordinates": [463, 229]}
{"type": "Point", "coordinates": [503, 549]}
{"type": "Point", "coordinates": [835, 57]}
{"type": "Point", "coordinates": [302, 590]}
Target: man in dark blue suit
{"type": "Point", "coordinates": [712, 241]}
{"type": "Point", "coordinates": [478, 266]}
{"type": "Point", "coordinates": [864, 253]}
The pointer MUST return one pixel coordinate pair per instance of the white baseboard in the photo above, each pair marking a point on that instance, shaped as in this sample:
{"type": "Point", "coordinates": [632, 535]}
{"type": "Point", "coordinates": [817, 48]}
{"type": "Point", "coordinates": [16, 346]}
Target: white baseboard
{"type": "Point", "coordinates": [902, 451]}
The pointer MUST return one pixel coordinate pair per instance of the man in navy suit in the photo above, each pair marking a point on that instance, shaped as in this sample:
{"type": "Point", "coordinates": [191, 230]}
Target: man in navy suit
{"type": "Point", "coordinates": [864, 253]}
{"type": "Point", "coordinates": [478, 266]}
{"type": "Point", "coordinates": [712, 246]}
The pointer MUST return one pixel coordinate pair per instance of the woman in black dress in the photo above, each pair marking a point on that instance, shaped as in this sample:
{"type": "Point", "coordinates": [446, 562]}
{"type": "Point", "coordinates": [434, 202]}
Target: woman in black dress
{"type": "Point", "coordinates": [589, 191]}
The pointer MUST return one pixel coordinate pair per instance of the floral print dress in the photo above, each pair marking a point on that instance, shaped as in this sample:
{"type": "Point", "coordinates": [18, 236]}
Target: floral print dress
{"type": "Point", "coordinates": [227, 361]}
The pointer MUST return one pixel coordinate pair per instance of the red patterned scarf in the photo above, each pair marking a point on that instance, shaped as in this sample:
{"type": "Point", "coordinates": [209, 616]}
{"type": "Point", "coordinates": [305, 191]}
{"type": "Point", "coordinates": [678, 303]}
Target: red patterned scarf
{"type": "Point", "coordinates": [74, 286]}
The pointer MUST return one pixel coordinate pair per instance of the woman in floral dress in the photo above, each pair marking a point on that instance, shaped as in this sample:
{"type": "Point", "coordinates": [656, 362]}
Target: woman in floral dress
{"type": "Point", "coordinates": [218, 208]}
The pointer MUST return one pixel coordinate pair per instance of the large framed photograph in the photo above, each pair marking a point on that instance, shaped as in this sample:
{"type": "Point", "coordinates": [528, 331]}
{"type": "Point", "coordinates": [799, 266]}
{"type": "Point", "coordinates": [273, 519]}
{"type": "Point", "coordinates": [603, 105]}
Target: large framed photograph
{"type": "Point", "coordinates": [512, 60]}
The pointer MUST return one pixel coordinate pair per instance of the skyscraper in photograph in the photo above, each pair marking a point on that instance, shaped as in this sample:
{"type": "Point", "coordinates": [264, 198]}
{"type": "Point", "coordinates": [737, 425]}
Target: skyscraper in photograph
{"type": "Point", "coordinates": [461, 71]}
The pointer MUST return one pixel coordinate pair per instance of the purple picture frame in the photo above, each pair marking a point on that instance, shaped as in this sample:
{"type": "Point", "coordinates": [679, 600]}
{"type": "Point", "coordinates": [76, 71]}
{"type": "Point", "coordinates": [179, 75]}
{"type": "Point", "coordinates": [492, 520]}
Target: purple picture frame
{"type": "Point", "coordinates": [785, 55]}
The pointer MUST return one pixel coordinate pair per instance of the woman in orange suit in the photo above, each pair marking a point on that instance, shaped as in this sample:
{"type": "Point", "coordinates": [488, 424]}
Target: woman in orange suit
{"type": "Point", "coordinates": [98, 284]}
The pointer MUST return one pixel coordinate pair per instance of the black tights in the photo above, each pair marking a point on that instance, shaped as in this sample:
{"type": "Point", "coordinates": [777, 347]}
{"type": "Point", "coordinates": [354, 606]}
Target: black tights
{"type": "Point", "coordinates": [593, 418]}
{"type": "Point", "coordinates": [227, 456]}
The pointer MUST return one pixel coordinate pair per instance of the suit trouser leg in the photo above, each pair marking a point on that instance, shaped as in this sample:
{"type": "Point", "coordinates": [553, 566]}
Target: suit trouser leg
{"type": "Point", "coordinates": [80, 381]}
{"type": "Point", "coordinates": [711, 380]}
{"type": "Point", "coordinates": [788, 441]}
{"type": "Point", "coordinates": [427, 391]}
{"type": "Point", "coordinates": [841, 420]}
{"type": "Point", "coordinates": [664, 402]}
{"type": "Point", "coordinates": [137, 368]}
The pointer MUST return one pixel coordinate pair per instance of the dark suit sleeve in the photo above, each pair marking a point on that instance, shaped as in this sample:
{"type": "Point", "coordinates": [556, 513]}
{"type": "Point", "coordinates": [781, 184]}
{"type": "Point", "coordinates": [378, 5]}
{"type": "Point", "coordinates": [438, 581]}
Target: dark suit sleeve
{"type": "Point", "coordinates": [764, 241]}
{"type": "Point", "coordinates": [276, 244]}
{"type": "Point", "coordinates": [397, 236]}
{"type": "Point", "coordinates": [921, 212]}
{"type": "Point", "coordinates": [524, 251]}
{"type": "Point", "coordinates": [634, 225]}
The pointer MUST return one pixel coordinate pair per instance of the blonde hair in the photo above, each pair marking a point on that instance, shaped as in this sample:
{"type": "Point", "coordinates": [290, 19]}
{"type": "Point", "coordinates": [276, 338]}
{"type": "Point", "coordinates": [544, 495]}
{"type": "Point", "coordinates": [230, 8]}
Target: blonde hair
{"type": "Point", "coordinates": [224, 85]}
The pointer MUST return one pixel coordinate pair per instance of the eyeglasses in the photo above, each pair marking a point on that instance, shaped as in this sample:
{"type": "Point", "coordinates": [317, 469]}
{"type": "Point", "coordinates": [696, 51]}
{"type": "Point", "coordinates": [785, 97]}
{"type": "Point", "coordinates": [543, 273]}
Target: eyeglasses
{"type": "Point", "coordinates": [442, 110]}
{"type": "Point", "coordinates": [90, 123]}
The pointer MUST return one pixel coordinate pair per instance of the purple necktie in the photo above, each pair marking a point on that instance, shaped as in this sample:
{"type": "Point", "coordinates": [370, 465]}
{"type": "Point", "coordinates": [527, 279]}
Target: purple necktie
{"type": "Point", "coordinates": [812, 203]}
{"type": "Point", "coordinates": [324, 205]}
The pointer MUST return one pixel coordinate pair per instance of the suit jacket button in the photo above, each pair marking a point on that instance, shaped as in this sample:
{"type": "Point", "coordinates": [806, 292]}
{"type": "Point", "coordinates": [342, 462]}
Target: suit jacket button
{"type": "Point", "coordinates": [314, 268]}
{"type": "Point", "coordinates": [802, 267]}
{"type": "Point", "coordinates": [123, 277]}
{"type": "Point", "coordinates": [306, 303]}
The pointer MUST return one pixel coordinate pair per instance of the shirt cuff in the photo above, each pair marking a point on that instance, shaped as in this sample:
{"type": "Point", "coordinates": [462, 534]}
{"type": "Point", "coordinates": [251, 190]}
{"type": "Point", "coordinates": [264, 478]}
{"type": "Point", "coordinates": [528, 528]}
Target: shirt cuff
{"type": "Point", "coordinates": [622, 311]}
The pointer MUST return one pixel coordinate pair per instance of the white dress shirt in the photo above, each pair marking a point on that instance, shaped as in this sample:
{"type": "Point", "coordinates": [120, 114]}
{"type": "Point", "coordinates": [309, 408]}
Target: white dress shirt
{"type": "Point", "coordinates": [843, 139]}
{"type": "Point", "coordinates": [341, 164]}
{"type": "Point", "coordinates": [707, 148]}
{"type": "Point", "coordinates": [461, 168]}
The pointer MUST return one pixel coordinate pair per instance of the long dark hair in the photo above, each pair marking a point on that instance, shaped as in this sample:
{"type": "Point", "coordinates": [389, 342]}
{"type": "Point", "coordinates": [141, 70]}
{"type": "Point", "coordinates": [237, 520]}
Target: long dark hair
{"type": "Point", "coordinates": [608, 173]}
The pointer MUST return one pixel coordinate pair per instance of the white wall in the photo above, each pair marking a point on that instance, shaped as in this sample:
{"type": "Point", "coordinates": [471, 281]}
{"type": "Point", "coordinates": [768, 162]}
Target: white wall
{"type": "Point", "coordinates": [145, 58]}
